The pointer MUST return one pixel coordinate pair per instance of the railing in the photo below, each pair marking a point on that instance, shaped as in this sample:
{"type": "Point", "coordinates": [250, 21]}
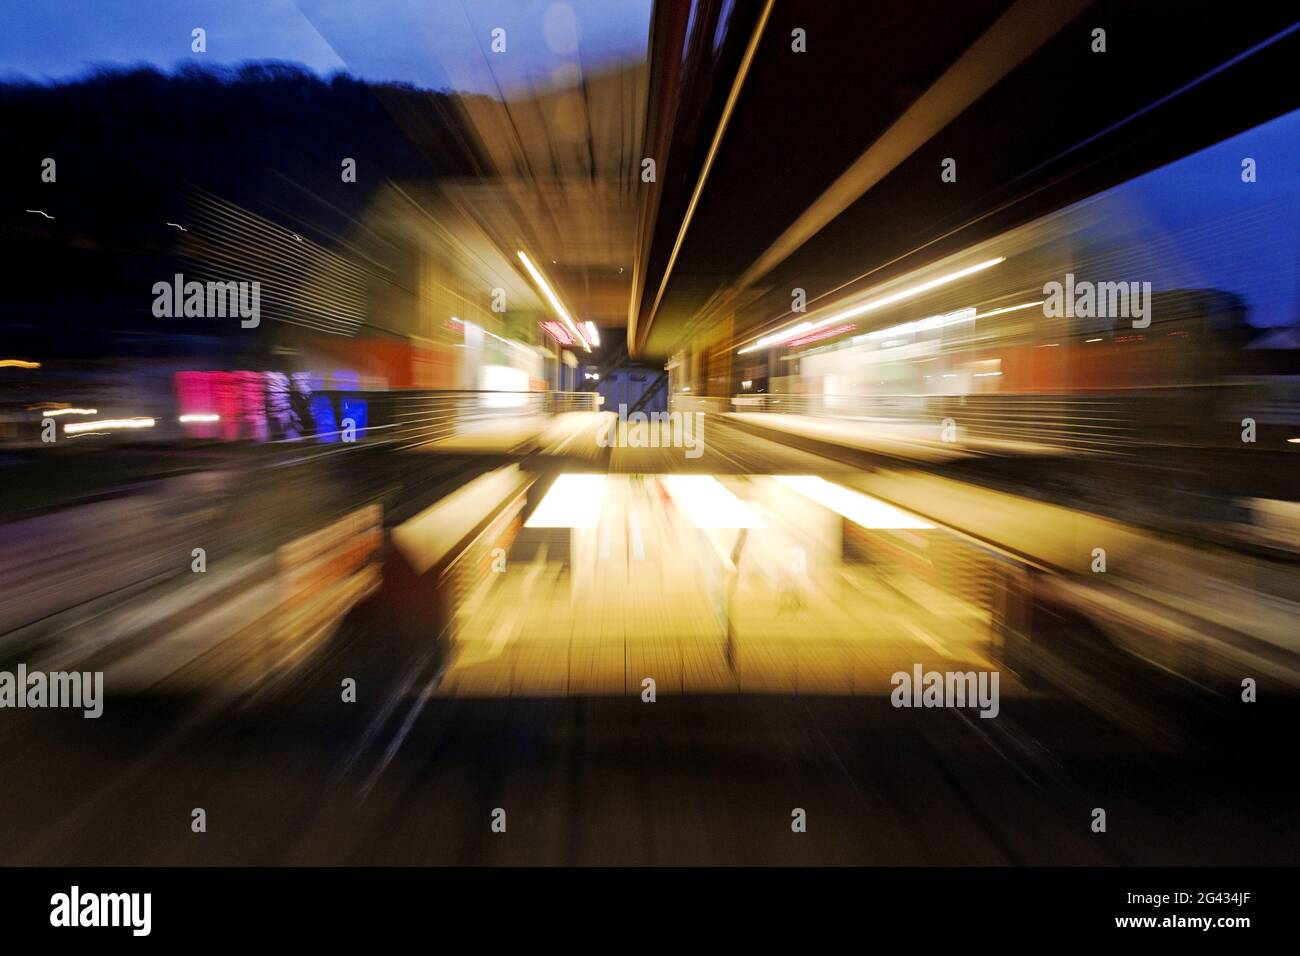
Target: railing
{"type": "Point", "coordinates": [559, 402]}
{"type": "Point", "coordinates": [415, 418]}
{"type": "Point", "coordinates": [1086, 422]}
{"type": "Point", "coordinates": [1041, 420]}
{"type": "Point", "coordinates": [699, 403]}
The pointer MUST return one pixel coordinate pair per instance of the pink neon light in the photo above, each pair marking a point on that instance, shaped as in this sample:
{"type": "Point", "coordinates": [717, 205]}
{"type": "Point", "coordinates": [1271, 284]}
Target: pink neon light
{"type": "Point", "coordinates": [557, 332]}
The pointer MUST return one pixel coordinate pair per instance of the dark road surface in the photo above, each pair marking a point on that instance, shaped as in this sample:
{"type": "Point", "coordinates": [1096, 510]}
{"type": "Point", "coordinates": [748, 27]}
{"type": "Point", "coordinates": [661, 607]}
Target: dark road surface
{"type": "Point", "coordinates": [307, 779]}
{"type": "Point", "coordinates": [617, 781]}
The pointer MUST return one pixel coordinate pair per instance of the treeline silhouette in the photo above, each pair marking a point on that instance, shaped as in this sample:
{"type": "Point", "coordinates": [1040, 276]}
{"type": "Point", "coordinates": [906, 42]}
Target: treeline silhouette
{"type": "Point", "coordinates": [129, 144]}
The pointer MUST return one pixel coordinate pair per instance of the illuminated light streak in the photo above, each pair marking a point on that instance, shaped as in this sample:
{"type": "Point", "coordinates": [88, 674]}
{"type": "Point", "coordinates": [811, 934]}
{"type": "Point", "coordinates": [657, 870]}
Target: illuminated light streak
{"type": "Point", "coordinates": [822, 334]}
{"type": "Point", "coordinates": [557, 332]}
{"type": "Point", "coordinates": [862, 510]}
{"type": "Point", "coordinates": [107, 424]}
{"type": "Point", "coordinates": [708, 504]}
{"type": "Point", "coordinates": [777, 338]}
{"type": "Point", "coordinates": [572, 501]}
{"type": "Point", "coordinates": [1010, 308]}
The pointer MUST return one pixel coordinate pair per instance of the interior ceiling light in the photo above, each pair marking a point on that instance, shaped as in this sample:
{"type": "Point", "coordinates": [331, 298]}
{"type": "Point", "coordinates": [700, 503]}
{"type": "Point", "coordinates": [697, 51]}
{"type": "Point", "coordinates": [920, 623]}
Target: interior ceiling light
{"type": "Point", "coordinates": [553, 299]}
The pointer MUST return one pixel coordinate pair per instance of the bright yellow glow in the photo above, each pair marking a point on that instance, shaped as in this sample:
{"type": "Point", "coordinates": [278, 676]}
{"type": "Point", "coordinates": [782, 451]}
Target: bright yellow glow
{"type": "Point", "coordinates": [69, 411]}
{"type": "Point", "coordinates": [708, 504]}
{"type": "Point", "coordinates": [552, 298]}
{"type": "Point", "coordinates": [777, 338]}
{"type": "Point", "coordinates": [573, 501]}
{"type": "Point", "coordinates": [107, 424]}
{"type": "Point", "coordinates": [200, 417]}
{"type": "Point", "coordinates": [859, 508]}
{"type": "Point", "coordinates": [18, 363]}
{"type": "Point", "coordinates": [593, 335]}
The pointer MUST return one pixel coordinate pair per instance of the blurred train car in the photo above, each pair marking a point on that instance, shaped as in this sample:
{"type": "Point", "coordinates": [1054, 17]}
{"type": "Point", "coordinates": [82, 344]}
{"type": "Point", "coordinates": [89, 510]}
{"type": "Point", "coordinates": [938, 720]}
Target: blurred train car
{"type": "Point", "coordinates": [1195, 338]}
{"type": "Point", "coordinates": [1009, 372]}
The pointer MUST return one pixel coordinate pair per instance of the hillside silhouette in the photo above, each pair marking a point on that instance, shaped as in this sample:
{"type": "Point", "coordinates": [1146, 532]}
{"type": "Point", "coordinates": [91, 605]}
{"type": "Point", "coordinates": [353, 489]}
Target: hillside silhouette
{"type": "Point", "coordinates": [131, 144]}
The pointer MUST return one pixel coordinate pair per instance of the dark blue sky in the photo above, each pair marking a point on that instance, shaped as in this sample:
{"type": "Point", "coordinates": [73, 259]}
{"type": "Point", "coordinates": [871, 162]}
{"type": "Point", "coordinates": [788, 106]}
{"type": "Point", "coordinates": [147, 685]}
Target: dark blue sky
{"type": "Point", "coordinates": [430, 43]}
{"type": "Point", "coordinates": [1223, 233]}
{"type": "Point", "coordinates": [1195, 224]}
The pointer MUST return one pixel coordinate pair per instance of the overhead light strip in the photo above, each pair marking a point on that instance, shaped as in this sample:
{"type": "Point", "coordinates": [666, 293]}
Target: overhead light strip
{"type": "Point", "coordinates": [552, 298]}
{"type": "Point", "coordinates": [862, 510]}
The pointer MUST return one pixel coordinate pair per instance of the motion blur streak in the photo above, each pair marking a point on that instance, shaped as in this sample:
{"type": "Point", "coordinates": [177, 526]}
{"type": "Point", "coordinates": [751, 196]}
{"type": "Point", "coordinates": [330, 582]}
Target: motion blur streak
{"type": "Point", "coordinates": [106, 425]}
{"type": "Point", "coordinates": [880, 303]}
{"type": "Point", "coordinates": [560, 310]}
{"type": "Point", "coordinates": [573, 501]}
{"type": "Point", "coordinates": [634, 393]}
{"type": "Point", "coordinates": [708, 504]}
{"type": "Point", "coordinates": [861, 510]}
